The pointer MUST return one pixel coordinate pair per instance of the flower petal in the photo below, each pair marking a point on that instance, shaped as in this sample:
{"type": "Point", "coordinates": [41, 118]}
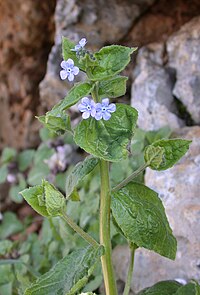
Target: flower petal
{"type": "Point", "coordinates": [71, 77]}
{"type": "Point", "coordinates": [93, 112]}
{"type": "Point", "coordinates": [75, 70]}
{"type": "Point", "coordinates": [111, 108]}
{"type": "Point", "coordinates": [86, 101]}
{"type": "Point", "coordinates": [106, 116]}
{"type": "Point", "coordinates": [63, 74]}
{"type": "Point", "coordinates": [86, 115]}
{"type": "Point", "coordinates": [98, 116]}
{"type": "Point", "coordinates": [98, 107]}
{"type": "Point", "coordinates": [105, 102]}
{"type": "Point", "coordinates": [70, 62]}
{"type": "Point", "coordinates": [82, 107]}
{"type": "Point", "coordinates": [77, 47]}
{"type": "Point", "coordinates": [64, 65]}
{"type": "Point", "coordinates": [82, 42]}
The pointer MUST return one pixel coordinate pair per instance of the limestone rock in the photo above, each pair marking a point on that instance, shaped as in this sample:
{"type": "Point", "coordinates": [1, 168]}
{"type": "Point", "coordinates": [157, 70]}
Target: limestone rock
{"type": "Point", "coordinates": [184, 56]}
{"type": "Point", "coordinates": [25, 39]}
{"type": "Point", "coordinates": [178, 188]}
{"type": "Point", "coordinates": [152, 90]}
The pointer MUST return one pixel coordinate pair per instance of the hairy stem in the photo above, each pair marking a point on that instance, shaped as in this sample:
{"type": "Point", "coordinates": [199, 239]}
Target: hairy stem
{"type": "Point", "coordinates": [130, 271]}
{"type": "Point", "coordinates": [131, 177]}
{"type": "Point", "coordinates": [105, 239]}
{"type": "Point", "coordinates": [79, 230]}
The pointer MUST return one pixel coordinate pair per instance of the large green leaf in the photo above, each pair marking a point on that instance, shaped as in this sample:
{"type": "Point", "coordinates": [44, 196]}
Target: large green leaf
{"type": "Point", "coordinates": [58, 124]}
{"type": "Point", "coordinates": [25, 158]}
{"type": "Point", "coordinates": [68, 275]}
{"type": "Point", "coordinates": [45, 199]}
{"type": "Point", "coordinates": [78, 173]}
{"type": "Point", "coordinates": [54, 200]}
{"type": "Point", "coordinates": [3, 173]}
{"type": "Point", "coordinates": [162, 288]}
{"type": "Point", "coordinates": [110, 61]}
{"type": "Point", "coordinates": [192, 288]}
{"type": "Point", "coordinates": [35, 198]}
{"type": "Point", "coordinates": [108, 139]}
{"type": "Point", "coordinates": [112, 88]}
{"type": "Point", "coordinates": [139, 213]}
{"type": "Point", "coordinates": [79, 90]}
{"type": "Point", "coordinates": [172, 152]}
{"type": "Point", "coordinates": [10, 225]}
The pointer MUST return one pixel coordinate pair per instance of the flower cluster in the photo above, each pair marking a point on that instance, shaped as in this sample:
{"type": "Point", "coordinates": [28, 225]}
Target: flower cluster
{"type": "Point", "coordinates": [98, 111]}
{"type": "Point", "coordinates": [69, 70]}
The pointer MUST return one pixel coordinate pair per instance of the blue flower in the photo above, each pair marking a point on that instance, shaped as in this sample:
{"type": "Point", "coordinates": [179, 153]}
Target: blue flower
{"type": "Point", "coordinates": [69, 70]}
{"type": "Point", "coordinates": [104, 110]}
{"type": "Point", "coordinates": [87, 107]}
{"type": "Point", "coordinates": [81, 44]}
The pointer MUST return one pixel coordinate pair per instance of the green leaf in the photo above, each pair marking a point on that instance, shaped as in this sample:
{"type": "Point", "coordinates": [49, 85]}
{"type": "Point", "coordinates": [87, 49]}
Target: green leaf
{"type": "Point", "coordinates": [75, 94]}
{"type": "Point", "coordinates": [3, 173]}
{"type": "Point", "coordinates": [45, 199]}
{"type": "Point", "coordinates": [191, 288]}
{"type": "Point", "coordinates": [154, 156]}
{"type": "Point", "coordinates": [8, 155]}
{"type": "Point", "coordinates": [33, 196]}
{"type": "Point", "coordinates": [78, 173]}
{"type": "Point", "coordinates": [54, 200]}
{"type": "Point", "coordinates": [24, 159]}
{"type": "Point", "coordinates": [173, 149]}
{"type": "Point", "coordinates": [108, 139]}
{"type": "Point", "coordinates": [6, 274]}
{"type": "Point", "coordinates": [110, 61]}
{"type": "Point", "coordinates": [58, 124]}
{"type": "Point", "coordinates": [68, 275]}
{"type": "Point", "coordinates": [139, 213]}
{"type": "Point", "coordinates": [5, 247]}
{"type": "Point", "coordinates": [112, 88]}
{"type": "Point", "coordinates": [162, 288]}
{"type": "Point", "coordinates": [10, 225]}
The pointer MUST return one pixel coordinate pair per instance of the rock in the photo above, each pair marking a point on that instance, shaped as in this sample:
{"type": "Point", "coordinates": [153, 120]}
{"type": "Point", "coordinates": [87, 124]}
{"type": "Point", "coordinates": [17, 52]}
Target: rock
{"type": "Point", "coordinates": [178, 188]}
{"type": "Point", "coordinates": [152, 90]}
{"type": "Point", "coordinates": [184, 56]}
{"type": "Point", "coordinates": [25, 40]}
{"type": "Point", "coordinates": [74, 19]}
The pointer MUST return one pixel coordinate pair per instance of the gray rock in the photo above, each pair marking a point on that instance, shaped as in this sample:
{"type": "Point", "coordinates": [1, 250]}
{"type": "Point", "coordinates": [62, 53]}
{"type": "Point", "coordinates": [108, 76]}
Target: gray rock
{"type": "Point", "coordinates": [184, 56]}
{"type": "Point", "coordinates": [178, 188]}
{"type": "Point", "coordinates": [101, 22]}
{"type": "Point", "coordinates": [152, 90]}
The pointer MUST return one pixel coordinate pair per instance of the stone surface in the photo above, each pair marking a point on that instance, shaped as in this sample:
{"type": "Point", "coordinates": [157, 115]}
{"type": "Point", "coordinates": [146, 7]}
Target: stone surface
{"type": "Point", "coordinates": [184, 56]}
{"type": "Point", "coordinates": [152, 90]}
{"type": "Point", "coordinates": [26, 37]}
{"type": "Point", "coordinates": [101, 22]}
{"type": "Point", "coordinates": [178, 188]}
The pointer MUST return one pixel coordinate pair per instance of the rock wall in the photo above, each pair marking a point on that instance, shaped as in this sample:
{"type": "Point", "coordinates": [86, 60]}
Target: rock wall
{"type": "Point", "coordinates": [27, 31]}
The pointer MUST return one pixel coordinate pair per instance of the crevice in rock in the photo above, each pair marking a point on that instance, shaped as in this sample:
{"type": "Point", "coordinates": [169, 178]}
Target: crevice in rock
{"type": "Point", "coordinates": [183, 113]}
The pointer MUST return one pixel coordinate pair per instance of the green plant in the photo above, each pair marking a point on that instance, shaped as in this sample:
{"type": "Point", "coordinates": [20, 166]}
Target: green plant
{"type": "Point", "coordinates": [137, 211]}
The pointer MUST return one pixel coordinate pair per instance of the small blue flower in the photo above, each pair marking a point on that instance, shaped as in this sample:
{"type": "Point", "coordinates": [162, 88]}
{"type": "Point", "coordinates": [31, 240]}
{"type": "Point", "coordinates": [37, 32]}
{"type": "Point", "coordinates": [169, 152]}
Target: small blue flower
{"type": "Point", "coordinates": [81, 44]}
{"type": "Point", "coordinates": [87, 107]}
{"type": "Point", "coordinates": [104, 110]}
{"type": "Point", "coordinates": [69, 70]}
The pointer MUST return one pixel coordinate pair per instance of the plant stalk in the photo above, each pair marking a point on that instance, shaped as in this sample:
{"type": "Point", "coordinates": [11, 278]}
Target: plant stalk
{"type": "Point", "coordinates": [105, 239]}
{"type": "Point", "coordinates": [130, 178]}
{"type": "Point", "coordinates": [80, 231]}
{"type": "Point", "coordinates": [130, 271]}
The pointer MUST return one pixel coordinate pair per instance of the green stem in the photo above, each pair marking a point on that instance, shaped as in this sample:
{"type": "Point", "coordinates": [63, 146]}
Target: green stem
{"type": "Point", "coordinates": [79, 231]}
{"type": "Point", "coordinates": [105, 239]}
{"type": "Point", "coordinates": [95, 91]}
{"type": "Point", "coordinates": [131, 177]}
{"type": "Point", "coordinates": [130, 272]}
